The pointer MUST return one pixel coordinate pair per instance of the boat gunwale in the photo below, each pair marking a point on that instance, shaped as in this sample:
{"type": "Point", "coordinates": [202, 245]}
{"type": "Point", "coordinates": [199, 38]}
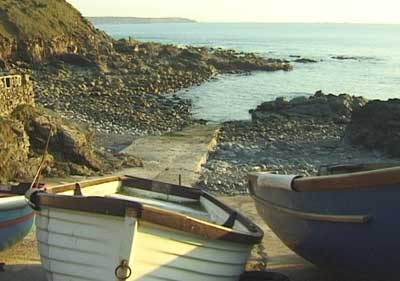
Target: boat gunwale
{"type": "Point", "coordinates": [311, 216]}
{"type": "Point", "coordinates": [83, 184]}
{"type": "Point", "coordinates": [378, 178]}
{"type": "Point", "coordinates": [14, 202]}
{"type": "Point", "coordinates": [16, 190]}
{"type": "Point", "coordinates": [171, 219]}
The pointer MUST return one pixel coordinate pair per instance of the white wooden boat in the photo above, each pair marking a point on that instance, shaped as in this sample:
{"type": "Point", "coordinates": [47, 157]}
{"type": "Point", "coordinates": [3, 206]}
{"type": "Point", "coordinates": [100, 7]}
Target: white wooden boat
{"type": "Point", "coordinates": [127, 228]}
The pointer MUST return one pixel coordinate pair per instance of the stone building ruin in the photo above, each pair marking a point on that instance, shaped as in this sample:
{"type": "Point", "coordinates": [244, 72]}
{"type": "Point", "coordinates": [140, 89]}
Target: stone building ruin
{"type": "Point", "coordinates": [15, 90]}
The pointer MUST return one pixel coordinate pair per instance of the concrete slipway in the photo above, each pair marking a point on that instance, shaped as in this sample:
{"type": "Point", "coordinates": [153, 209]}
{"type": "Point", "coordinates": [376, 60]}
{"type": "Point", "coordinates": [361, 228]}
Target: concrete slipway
{"type": "Point", "coordinates": [165, 158]}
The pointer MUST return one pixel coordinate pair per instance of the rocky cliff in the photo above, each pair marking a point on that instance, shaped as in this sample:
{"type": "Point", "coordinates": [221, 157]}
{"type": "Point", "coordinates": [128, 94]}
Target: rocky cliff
{"type": "Point", "coordinates": [34, 30]}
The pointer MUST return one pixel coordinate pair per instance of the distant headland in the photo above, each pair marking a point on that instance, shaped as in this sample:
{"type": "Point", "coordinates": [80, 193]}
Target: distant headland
{"type": "Point", "coordinates": [132, 20]}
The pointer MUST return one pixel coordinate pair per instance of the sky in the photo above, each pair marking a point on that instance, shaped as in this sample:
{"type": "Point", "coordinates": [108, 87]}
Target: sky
{"type": "Point", "coordinates": [349, 11]}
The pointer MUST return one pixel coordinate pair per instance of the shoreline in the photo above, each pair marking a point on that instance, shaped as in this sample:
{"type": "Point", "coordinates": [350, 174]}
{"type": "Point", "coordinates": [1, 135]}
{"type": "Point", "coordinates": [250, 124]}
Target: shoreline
{"type": "Point", "coordinates": [123, 95]}
{"type": "Point", "coordinates": [246, 146]}
{"type": "Point", "coordinates": [293, 146]}
{"type": "Point", "coordinates": [127, 88]}
{"type": "Point", "coordinates": [137, 92]}
{"type": "Point", "coordinates": [110, 106]}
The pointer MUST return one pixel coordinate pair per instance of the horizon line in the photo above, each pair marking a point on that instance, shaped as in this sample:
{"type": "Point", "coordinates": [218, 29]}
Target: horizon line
{"type": "Point", "coordinates": [259, 22]}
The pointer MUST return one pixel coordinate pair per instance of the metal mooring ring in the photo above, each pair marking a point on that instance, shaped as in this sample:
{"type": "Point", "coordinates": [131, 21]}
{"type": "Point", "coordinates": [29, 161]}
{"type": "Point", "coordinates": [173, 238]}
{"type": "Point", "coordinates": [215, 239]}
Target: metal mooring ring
{"type": "Point", "coordinates": [123, 266]}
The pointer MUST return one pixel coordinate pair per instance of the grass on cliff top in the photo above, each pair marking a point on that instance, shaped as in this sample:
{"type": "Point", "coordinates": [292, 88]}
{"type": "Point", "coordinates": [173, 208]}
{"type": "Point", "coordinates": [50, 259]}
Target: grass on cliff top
{"type": "Point", "coordinates": [44, 19]}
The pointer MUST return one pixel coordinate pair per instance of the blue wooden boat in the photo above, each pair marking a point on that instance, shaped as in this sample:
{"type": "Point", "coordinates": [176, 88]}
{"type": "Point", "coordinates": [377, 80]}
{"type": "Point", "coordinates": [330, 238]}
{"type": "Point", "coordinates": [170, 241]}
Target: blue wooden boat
{"type": "Point", "coordinates": [16, 217]}
{"type": "Point", "coordinates": [343, 223]}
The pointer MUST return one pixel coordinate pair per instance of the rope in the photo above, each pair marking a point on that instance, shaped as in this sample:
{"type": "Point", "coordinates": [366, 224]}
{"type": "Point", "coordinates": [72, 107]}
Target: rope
{"type": "Point", "coordinates": [39, 171]}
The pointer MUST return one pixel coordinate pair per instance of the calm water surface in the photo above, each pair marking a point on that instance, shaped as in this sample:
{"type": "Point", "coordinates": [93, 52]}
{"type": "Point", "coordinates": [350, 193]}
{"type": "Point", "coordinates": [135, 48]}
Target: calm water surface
{"type": "Point", "coordinates": [374, 74]}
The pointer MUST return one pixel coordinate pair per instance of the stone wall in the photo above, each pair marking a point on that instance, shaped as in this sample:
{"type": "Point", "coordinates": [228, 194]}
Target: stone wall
{"type": "Point", "coordinates": [15, 90]}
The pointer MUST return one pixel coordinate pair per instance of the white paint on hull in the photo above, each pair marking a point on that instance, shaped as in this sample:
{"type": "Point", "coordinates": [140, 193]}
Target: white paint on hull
{"type": "Point", "coordinates": [219, 216]}
{"type": "Point", "coordinates": [203, 215]}
{"type": "Point", "coordinates": [77, 246]}
{"type": "Point", "coordinates": [165, 254]}
{"type": "Point", "coordinates": [83, 246]}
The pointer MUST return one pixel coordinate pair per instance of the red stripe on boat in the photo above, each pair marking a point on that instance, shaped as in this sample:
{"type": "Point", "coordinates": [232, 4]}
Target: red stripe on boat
{"type": "Point", "coordinates": [17, 221]}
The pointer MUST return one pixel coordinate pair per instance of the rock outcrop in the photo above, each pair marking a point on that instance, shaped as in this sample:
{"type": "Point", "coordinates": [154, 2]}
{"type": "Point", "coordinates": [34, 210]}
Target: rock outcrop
{"type": "Point", "coordinates": [69, 142]}
{"type": "Point", "coordinates": [377, 126]}
{"type": "Point", "coordinates": [344, 58]}
{"type": "Point", "coordinates": [232, 61]}
{"type": "Point", "coordinates": [305, 60]}
{"type": "Point", "coordinates": [35, 30]}
{"type": "Point", "coordinates": [23, 137]}
{"type": "Point", "coordinates": [14, 149]}
{"type": "Point", "coordinates": [336, 108]}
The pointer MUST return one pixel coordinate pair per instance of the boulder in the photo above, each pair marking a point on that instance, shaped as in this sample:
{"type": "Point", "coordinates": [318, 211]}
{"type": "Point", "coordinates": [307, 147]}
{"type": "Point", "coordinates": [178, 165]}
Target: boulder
{"type": "Point", "coordinates": [69, 142]}
{"type": "Point", "coordinates": [344, 58]}
{"type": "Point", "coordinates": [126, 46]}
{"type": "Point", "coordinates": [305, 60]}
{"type": "Point", "coordinates": [14, 149]}
{"type": "Point", "coordinates": [336, 108]}
{"type": "Point", "coordinates": [229, 61]}
{"type": "Point", "coordinates": [376, 126]}
{"type": "Point", "coordinates": [193, 54]}
{"type": "Point", "coordinates": [77, 59]}
{"type": "Point", "coordinates": [23, 137]}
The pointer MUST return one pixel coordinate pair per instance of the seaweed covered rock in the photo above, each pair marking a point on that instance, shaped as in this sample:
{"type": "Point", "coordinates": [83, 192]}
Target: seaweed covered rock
{"type": "Point", "coordinates": [231, 61]}
{"type": "Point", "coordinates": [305, 60]}
{"type": "Point", "coordinates": [321, 106]}
{"type": "Point", "coordinates": [377, 126]}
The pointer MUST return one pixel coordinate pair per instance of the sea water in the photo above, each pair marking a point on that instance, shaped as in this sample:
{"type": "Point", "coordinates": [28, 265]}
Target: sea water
{"type": "Point", "coordinates": [374, 73]}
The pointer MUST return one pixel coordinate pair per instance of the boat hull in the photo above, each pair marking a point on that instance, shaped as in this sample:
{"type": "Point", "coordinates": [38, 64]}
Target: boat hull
{"type": "Point", "coordinates": [353, 233]}
{"type": "Point", "coordinates": [16, 220]}
{"type": "Point", "coordinates": [81, 246]}
{"type": "Point", "coordinates": [148, 231]}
